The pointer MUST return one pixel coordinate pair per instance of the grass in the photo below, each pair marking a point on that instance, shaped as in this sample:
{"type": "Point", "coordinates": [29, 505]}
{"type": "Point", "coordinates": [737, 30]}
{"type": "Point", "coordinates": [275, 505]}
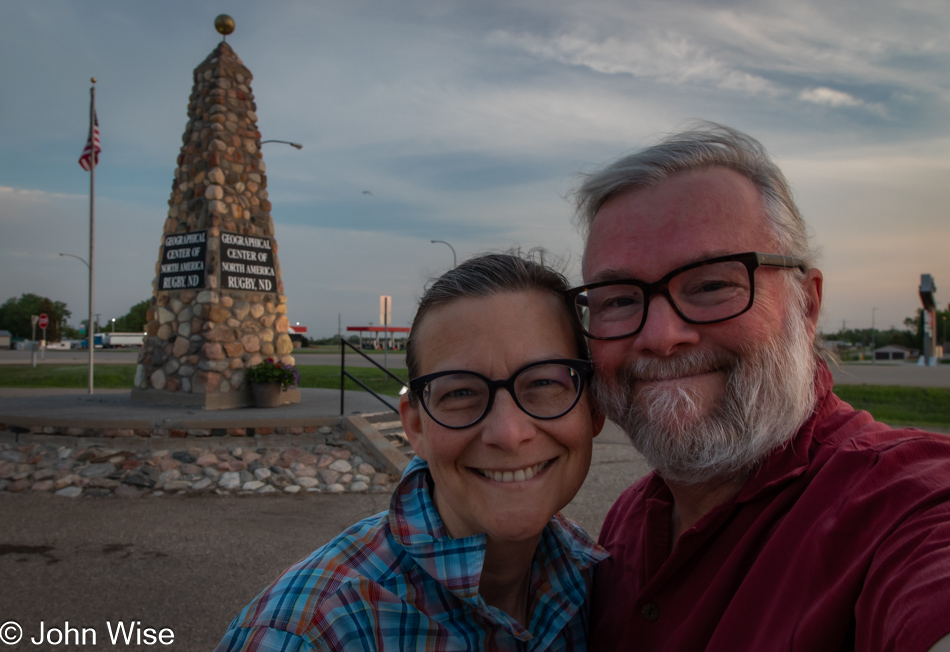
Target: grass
{"type": "Point", "coordinates": [907, 406]}
{"type": "Point", "coordinates": [121, 377]}
{"type": "Point", "coordinates": [74, 376]}
{"type": "Point", "coordinates": [334, 349]}
{"type": "Point", "coordinates": [329, 377]}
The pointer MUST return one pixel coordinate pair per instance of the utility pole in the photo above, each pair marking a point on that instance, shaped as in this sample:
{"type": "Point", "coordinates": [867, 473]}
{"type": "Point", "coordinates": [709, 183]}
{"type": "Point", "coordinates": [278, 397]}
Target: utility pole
{"type": "Point", "coordinates": [873, 357]}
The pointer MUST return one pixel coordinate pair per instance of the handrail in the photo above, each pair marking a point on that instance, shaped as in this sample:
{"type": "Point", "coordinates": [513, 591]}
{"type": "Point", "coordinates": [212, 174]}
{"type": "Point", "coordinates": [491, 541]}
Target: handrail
{"type": "Point", "coordinates": [345, 374]}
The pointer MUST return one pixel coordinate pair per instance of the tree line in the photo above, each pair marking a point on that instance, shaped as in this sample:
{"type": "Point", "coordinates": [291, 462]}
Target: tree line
{"type": "Point", "coordinates": [15, 317]}
{"type": "Point", "coordinates": [911, 336]}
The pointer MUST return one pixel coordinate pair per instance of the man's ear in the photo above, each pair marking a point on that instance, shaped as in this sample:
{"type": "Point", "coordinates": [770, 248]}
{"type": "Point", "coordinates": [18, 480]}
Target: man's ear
{"type": "Point", "coordinates": [411, 417]}
{"type": "Point", "coordinates": [598, 418]}
{"type": "Point", "coordinates": [813, 293]}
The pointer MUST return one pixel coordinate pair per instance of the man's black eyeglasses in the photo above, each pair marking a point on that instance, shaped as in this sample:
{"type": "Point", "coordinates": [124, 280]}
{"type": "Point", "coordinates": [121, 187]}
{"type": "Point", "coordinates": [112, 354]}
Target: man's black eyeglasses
{"type": "Point", "coordinates": [704, 292]}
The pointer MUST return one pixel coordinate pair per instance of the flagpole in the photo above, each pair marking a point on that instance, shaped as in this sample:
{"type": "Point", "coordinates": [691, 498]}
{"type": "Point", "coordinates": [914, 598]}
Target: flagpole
{"type": "Point", "coordinates": [91, 330]}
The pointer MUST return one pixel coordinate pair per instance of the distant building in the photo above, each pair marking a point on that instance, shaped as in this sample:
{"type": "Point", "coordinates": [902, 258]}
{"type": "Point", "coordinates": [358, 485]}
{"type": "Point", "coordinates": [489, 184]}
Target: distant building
{"type": "Point", "coordinates": [298, 335]}
{"type": "Point", "coordinates": [892, 352]}
{"type": "Point", "coordinates": [5, 339]}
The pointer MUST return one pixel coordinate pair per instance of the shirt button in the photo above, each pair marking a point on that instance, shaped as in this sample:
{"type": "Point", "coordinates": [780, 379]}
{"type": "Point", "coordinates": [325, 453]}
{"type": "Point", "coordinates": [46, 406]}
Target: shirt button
{"type": "Point", "coordinates": [650, 611]}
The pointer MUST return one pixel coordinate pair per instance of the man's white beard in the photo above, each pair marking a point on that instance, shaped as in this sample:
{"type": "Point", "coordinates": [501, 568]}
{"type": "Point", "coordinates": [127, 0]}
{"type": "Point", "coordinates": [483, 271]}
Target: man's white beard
{"type": "Point", "coordinates": [769, 394]}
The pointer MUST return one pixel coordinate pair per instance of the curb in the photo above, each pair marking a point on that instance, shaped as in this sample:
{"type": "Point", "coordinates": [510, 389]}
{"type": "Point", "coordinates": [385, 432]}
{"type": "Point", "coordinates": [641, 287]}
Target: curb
{"type": "Point", "coordinates": [387, 455]}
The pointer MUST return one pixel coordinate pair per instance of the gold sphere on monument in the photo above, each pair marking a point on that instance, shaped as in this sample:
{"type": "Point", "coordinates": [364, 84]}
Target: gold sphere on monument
{"type": "Point", "coordinates": [224, 24]}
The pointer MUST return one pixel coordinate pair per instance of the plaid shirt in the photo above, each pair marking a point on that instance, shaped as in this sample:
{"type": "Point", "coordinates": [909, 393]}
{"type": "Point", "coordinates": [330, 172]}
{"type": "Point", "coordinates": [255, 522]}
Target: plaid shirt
{"type": "Point", "coordinates": [397, 581]}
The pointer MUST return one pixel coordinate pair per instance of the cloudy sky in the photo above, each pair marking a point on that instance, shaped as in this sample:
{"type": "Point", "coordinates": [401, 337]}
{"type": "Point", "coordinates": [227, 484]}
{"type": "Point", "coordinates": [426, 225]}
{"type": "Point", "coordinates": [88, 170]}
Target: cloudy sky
{"type": "Point", "coordinates": [469, 122]}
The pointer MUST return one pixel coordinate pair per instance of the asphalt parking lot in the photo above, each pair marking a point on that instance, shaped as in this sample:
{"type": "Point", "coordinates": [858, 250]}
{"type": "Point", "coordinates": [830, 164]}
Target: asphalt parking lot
{"type": "Point", "coordinates": [190, 563]}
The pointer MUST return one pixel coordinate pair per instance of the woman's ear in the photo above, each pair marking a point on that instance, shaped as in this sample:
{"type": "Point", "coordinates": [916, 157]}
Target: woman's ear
{"type": "Point", "coordinates": [411, 417]}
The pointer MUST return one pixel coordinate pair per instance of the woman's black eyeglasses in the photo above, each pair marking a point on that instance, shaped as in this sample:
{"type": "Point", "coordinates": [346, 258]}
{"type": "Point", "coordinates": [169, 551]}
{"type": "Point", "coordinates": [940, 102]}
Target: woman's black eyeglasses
{"type": "Point", "coordinates": [547, 389]}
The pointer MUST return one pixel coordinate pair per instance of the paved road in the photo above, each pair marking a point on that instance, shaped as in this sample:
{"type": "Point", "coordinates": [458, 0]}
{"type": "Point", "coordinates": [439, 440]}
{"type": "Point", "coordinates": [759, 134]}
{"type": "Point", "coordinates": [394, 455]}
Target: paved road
{"type": "Point", "coordinates": [191, 563]}
{"type": "Point", "coordinates": [895, 373]}
{"type": "Point", "coordinates": [891, 373]}
{"type": "Point", "coordinates": [188, 564]}
{"type": "Point", "coordinates": [105, 356]}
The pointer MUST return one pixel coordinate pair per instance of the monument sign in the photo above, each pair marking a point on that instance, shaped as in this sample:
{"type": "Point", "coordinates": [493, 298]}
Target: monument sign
{"type": "Point", "coordinates": [183, 261]}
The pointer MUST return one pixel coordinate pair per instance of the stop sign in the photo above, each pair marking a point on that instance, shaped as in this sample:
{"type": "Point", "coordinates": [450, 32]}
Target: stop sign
{"type": "Point", "coordinates": [44, 320]}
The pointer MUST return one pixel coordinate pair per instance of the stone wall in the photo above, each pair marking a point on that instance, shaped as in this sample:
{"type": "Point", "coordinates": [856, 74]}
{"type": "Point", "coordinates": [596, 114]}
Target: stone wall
{"type": "Point", "coordinates": [202, 342]}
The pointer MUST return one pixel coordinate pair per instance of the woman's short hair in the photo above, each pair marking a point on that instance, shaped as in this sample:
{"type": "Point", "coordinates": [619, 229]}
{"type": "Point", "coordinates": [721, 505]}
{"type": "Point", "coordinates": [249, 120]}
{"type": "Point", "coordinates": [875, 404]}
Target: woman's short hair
{"type": "Point", "coordinates": [486, 275]}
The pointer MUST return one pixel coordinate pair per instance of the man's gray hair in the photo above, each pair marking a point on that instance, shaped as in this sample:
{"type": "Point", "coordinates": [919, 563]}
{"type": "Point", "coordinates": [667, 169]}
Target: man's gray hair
{"type": "Point", "coordinates": [486, 275]}
{"type": "Point", "coordinates": [704, 145]}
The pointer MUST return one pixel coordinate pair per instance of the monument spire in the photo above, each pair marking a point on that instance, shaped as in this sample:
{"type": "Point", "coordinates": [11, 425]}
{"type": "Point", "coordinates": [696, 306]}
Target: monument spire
{"type": "Point", "coordinates": [219, 304]}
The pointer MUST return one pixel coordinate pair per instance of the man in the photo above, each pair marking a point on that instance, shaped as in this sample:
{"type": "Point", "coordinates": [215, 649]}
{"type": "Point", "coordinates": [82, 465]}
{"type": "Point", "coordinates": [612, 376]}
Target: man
{"type": "Point", "coordinates": [777, 516]}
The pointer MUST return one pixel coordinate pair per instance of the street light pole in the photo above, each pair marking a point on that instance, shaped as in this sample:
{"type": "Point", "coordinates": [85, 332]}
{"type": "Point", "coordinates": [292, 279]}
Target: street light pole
{"type": "Point", "coordinates": [873, 356]}
{"type": "Point", "coordinates": [82, 260]}
{"type": "Point", "coordinates": [91, 340]}
{"type": "Point", "coordinates": [285, 142]}
{"type": "Point", "coordinates": [454, 259]}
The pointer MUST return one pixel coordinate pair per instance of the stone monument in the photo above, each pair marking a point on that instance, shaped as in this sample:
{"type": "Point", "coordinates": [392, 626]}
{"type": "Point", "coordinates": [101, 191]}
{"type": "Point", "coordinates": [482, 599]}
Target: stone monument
{"type": "Point", "coordinates": [218, 303]}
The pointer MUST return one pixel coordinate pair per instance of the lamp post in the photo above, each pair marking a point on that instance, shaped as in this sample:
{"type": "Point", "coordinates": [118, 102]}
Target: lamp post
{"type": "Point", "coordinates": [944, 341]}
{"type": "Point", "coordinates": [83, 260]}
{"type": "Point", "coordinates": [454, 259]}
{"type": "Point", "coordinates": [113, 324]}
{"type": "Point", "coordinates": [285, 142]}
{"type": "Point", "coordinates": [873, 356]}
{"type": "Point", "coordinates": [91, 336]}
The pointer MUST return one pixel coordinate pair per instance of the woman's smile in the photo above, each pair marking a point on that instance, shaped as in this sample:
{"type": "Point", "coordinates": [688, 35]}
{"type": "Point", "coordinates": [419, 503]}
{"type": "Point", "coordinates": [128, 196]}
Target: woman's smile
{"type": "Point", "coordinates": [517, 475]}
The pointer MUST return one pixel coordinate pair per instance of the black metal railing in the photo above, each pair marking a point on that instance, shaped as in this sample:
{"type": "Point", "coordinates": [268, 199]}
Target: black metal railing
{"type": "Point", "coordinates": [345, 374]}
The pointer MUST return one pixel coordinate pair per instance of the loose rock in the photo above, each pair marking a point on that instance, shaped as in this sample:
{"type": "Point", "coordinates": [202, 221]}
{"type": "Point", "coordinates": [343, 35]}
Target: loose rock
{"type": "Point", "coordinates": [95, 471]}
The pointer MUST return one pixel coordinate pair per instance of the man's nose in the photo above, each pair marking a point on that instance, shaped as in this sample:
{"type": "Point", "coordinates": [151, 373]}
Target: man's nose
{"type": "Point", "coordinates": [664, 332]}
{"type": "Point", "coordinates": [507, 426]}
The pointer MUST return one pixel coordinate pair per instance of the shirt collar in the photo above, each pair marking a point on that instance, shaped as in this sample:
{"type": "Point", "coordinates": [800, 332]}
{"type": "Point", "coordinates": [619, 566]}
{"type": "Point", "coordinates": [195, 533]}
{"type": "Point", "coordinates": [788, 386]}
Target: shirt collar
{"type": "Point", "coordinates": [564, 552]}
{"type": "Point", "coordinates": [416, 525]}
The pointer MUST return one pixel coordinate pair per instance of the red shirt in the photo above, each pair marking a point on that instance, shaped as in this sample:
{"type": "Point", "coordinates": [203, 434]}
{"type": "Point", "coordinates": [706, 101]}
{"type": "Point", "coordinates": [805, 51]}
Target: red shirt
{"type": "Point", "coordinates": [839, 541]}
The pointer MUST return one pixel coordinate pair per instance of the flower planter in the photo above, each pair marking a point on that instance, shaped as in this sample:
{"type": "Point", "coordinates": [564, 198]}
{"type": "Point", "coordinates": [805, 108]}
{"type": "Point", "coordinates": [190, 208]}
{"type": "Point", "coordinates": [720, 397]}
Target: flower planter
{"type": "Point", "coordinates": [266, 380]}
{"type": "Point", "coordinates": [266, 395]}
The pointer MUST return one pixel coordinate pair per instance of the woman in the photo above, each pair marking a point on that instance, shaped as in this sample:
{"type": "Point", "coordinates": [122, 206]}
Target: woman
{"type": "Point", "coordinates": [472, 553]}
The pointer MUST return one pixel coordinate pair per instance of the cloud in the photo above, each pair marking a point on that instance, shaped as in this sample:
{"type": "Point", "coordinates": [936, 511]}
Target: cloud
{"type": "Point", "coordinates": [8, 193]}
{"type": "Point", "coordinates": [830, 97]}
{"type": "Point", "coordinates": [667, 57]}
{"type": "Point", "coordinates": [468, 122]}
{"type": "Point", "coordinates": [839, 99]}
{"type": "Point", "coordinates": [771, 51]}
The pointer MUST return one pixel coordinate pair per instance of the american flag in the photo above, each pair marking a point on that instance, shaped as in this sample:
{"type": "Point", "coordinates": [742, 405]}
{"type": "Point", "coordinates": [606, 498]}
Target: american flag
{"type": "Point", "coordinates": [86, 160]}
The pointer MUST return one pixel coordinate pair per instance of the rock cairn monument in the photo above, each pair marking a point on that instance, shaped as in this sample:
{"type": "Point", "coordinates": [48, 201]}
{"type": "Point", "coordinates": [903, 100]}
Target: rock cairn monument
{"type": "Point", "coordinates": [218, 305]}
